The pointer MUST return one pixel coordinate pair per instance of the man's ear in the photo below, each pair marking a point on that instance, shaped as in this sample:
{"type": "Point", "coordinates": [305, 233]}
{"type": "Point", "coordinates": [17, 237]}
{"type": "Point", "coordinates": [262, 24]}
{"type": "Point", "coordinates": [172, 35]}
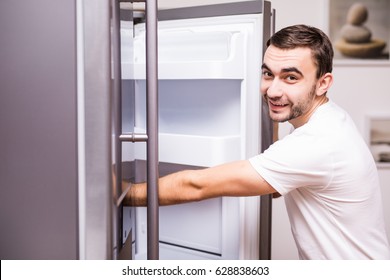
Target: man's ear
{"type": "Point", "coordinates": [324, 83]}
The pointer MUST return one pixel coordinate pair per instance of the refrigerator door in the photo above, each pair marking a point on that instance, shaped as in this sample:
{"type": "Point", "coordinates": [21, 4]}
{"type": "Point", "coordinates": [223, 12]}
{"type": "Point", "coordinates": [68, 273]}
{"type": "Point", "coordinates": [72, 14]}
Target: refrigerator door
{"type": "Point", "coordinates": [38, 142]}
{"type": "Point", "coordinates": [209, 113]}
{"type": "Point", "coordinates": [57, 199]}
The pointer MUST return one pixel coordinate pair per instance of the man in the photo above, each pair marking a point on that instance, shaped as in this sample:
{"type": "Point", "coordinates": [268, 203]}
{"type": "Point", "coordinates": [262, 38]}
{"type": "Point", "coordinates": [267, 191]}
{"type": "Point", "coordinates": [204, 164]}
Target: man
{"type": "Point", "coordinates": [323, 168]}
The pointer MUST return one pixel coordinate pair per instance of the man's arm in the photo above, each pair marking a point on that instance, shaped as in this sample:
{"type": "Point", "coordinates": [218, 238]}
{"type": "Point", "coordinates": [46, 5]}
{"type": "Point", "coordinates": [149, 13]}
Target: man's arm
{"type": "Point", "coordinates": [237, 178]}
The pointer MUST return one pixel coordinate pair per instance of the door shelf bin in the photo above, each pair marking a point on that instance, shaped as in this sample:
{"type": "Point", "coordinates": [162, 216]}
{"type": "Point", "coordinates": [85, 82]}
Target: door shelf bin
{"type": "Point", "coordinates": [190, 49]}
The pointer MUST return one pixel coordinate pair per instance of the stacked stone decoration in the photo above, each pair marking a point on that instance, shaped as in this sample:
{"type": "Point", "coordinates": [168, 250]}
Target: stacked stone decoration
{"type": "Point", "coordinates": [356, 38]}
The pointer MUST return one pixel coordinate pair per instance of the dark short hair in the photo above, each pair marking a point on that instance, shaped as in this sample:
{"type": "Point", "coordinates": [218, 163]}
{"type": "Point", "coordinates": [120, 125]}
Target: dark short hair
{"type": "Point", "coordinates": [296, 36]}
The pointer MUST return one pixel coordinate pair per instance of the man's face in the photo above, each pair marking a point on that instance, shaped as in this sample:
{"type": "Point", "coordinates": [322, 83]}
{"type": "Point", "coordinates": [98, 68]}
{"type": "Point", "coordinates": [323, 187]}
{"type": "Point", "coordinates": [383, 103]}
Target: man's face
{"type": "Point", "coordinates": [289, 84]}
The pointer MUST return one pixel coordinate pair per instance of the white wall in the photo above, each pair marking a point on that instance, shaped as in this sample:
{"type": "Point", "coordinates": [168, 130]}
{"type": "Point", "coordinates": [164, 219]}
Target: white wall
{"type": "Point", "coordinates": [359, 89]}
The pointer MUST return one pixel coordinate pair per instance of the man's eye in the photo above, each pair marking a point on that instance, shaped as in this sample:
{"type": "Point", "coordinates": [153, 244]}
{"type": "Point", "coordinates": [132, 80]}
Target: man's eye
{"type": "Point", "coordinates": [267, 74]}
{"type": "Point", "coordinates": [291, 78]}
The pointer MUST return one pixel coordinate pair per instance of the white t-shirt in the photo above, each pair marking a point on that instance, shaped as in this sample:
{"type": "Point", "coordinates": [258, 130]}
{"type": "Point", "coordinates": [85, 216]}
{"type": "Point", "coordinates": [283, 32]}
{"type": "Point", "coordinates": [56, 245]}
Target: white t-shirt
{"type": "Point", "coordinates": [328, 177]}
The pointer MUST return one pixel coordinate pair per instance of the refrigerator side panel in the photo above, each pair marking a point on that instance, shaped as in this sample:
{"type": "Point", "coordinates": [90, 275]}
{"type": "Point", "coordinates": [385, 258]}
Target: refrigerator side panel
{"type": "Point", "coordinates": [38, 148]}
{"type": "Point", "coordinates": [95, 120]}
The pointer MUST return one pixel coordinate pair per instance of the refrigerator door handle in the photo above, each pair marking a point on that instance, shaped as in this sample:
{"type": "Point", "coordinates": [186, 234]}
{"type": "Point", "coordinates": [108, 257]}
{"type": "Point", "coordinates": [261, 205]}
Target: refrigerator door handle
{"type": "Point", "coordinates": [133, 137]}
{"type": "Point", "coordinates": [151, 136]}
{"type": "Point", "coordinates": [152, 130]}
{"type": "Point", "coordinates": [117, 127]}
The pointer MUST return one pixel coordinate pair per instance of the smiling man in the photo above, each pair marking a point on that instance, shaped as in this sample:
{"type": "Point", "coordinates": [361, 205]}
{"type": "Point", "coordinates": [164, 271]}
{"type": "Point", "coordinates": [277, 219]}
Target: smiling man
{"type": "Point", "coordinates": [323, 168]}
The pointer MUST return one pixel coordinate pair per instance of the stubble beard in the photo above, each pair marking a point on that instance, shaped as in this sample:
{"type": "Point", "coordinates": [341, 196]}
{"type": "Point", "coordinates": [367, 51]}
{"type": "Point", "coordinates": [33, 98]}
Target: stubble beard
{"type": "Point", "coordinates": [296, 110]}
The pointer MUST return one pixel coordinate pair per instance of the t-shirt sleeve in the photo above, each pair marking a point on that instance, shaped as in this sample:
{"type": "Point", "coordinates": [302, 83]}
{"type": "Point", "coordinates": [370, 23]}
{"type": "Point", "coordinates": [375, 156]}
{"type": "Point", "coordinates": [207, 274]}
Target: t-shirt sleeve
{"type": "Point", "coordinates": [293, 162]}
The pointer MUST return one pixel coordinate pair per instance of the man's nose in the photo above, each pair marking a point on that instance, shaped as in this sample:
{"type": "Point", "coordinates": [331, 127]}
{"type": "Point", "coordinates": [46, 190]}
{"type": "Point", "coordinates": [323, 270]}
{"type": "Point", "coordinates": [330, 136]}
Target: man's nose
{"type": "Point", "coordinates": [274, 90]}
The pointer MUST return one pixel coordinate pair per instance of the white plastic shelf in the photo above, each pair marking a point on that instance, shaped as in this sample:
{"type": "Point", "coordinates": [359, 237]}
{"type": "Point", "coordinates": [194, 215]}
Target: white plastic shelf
{"type": "Point", "coordinates": [196, 150]}
{"type": "Point", "coordinates": [192, 51]}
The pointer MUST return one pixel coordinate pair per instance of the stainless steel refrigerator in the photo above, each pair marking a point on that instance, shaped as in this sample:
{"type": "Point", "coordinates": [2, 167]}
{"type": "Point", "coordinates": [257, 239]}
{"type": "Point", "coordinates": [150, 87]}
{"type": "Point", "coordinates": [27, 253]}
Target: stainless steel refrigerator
{"type": "Point", "coordinates": [92, 91]}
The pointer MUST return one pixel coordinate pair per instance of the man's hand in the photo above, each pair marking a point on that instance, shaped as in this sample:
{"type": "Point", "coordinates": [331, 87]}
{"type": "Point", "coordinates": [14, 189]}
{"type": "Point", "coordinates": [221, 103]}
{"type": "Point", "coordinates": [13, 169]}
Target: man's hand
{"type": "Point", "coordinates": [120, 192]}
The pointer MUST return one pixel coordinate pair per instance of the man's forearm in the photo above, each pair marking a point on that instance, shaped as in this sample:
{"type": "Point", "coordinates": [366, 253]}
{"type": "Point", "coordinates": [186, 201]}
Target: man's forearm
{"type": "Point", "coordinates": [232, 179]}
{"type": "Point", "coordinates": [136, 196]}
{"type": "Point", "coordinates": [175, 188]}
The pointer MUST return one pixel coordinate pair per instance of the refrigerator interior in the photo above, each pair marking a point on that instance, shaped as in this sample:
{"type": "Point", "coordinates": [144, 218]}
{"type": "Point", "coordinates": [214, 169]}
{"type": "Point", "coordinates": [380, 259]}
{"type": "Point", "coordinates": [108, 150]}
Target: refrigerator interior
{"type": "Point", "coordinates": [209, 113]}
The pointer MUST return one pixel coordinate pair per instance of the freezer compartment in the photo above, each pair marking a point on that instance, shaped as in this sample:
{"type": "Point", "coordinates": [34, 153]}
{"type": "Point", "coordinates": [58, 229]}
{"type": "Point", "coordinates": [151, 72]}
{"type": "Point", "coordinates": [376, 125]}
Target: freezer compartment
{"type": "Point", "coordinates": [209, 102]}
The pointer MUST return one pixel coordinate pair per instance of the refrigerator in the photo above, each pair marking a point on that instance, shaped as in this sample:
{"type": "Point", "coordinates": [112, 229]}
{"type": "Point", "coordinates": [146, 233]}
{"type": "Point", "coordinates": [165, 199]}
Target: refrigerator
{"type": "Point", "coordinates": [93, 92]}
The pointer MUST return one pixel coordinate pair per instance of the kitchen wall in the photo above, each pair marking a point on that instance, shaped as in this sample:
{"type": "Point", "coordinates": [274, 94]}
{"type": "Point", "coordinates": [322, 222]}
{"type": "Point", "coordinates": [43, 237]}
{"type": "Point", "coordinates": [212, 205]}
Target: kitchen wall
{"type": "Point", "coordinates": [359, 89]}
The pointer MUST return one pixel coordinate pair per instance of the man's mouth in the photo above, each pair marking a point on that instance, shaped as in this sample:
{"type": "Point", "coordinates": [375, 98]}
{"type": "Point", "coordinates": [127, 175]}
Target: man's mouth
{"type": "Point", "coordinates": [276, 104]}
